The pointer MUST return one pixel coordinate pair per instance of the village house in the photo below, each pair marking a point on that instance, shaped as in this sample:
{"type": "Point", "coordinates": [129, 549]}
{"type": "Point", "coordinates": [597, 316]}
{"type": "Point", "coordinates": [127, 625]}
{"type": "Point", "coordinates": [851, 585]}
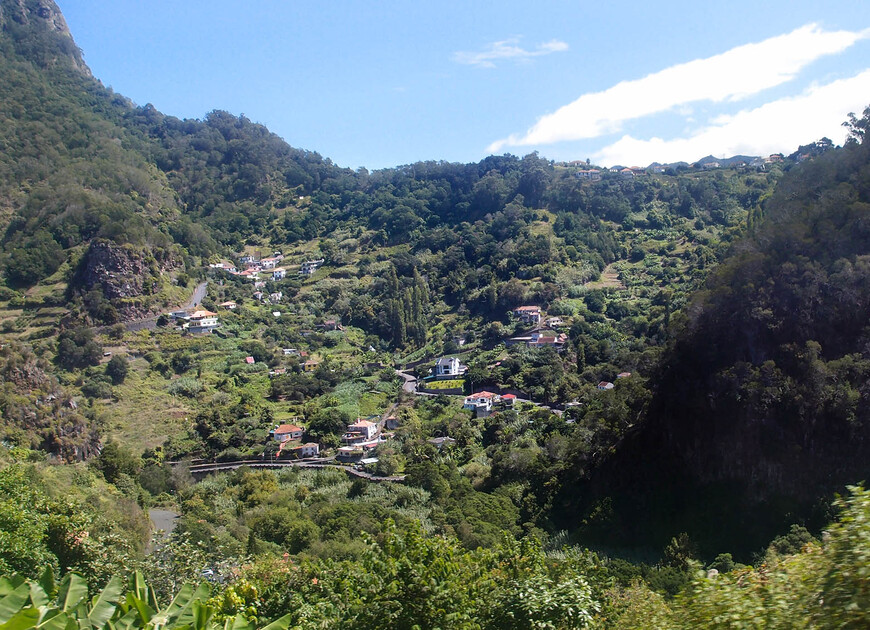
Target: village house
{"type": "Point", "coordinates": [605, 385]}
{"type": "Point", "coordinates": [539, 340]}
{"type": "Point", "coordinates": [201, 322]}
{"type": "Point", "coordinates": [592, 175]}
{"type": "Point", "coordinates": [285, 432]}
{"type": "Point", "coordinates": [449, 366]}
{"type": "Point", "coordinates": [360, 431]}
{"type": "Point", "coordinates": [481, 401]}
{"type": "Point", "coordinates": [310, 366]}
{"type": "Point", "coordinates": [310, 266]}
{"type": "Point", "coordinates": [275, 297]}
{"type": "Point", "coordinates": [331, 324]}
{"type": "Point", "coordinates": [555, 322]}
{"type": "Point", "coordinates": [302, 451]}
{"type": "Point", "coordinates": [269, 263]}
{"type": "Point", "coordinates": [230, 305]}
{"type": "Point", "coordinates": [623, 375]}
{"type": "Point", "coordinates": [279, 273]}
{"type": "Point", "coordinates": [225, 266]}
{"type": "Point", "coordinates": [528, 314]}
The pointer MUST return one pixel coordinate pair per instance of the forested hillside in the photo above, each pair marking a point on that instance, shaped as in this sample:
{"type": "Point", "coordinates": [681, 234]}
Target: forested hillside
{"type": "Point", "coordinates": [668, 365]}
{"type": "Point", "coordinates": [760, 403]}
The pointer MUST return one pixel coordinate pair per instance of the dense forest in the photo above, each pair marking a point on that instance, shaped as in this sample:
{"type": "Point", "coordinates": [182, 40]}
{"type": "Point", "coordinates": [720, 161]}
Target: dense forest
{"type": "Point", "coordinates": [688, 405]}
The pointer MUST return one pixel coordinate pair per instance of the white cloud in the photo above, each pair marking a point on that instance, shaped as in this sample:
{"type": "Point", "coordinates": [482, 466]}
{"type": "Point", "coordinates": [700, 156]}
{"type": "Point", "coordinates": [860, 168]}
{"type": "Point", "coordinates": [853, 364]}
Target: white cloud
{"type": "Point", "coordinates": [507, 49]}
{"type": "Point", "coordinates": [778, 126]}
{"type": "Point", "coordinates": [730, 76]}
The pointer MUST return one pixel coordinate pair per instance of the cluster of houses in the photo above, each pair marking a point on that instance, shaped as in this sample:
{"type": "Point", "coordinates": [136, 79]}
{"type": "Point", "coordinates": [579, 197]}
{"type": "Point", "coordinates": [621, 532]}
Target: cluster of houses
{"type": "Point", "coordinates": [254, 268]}
{"type": "Point", "coordinates": [359, 441]}
{"type": "Point", "coordinates": [538, 337]}
{"type": "Point", "coordinates": [630, 172]}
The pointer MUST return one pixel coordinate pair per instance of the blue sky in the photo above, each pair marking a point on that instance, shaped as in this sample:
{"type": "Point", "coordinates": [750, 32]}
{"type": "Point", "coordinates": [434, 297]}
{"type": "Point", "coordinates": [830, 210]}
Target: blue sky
{"type": "Point", "coordinates": [381, 84]}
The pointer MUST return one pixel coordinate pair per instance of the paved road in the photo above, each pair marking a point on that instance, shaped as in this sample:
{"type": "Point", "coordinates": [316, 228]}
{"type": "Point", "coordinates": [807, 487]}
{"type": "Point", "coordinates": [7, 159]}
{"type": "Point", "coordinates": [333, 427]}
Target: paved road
{"type": "Point", "coordinates": [204, 469]}
{"type": "Point", "coordinates": [410, 384]}
{"type": "Point", "coordinates": [150, 323]}
{"type": "Point", "coordinates": [162, 520]}
{"type": "Point", "coordinates": [198, 294]}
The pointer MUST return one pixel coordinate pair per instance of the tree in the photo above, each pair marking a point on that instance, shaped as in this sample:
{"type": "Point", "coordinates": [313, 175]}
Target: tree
{"type": "Point", "coordinates": [117, 369]}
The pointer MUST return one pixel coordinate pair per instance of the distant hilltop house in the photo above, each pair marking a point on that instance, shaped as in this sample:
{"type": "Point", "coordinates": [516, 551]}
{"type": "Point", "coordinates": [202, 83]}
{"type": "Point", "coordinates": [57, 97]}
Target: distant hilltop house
{"type": "Point", "coordinates": [201, 322]}
{"type": "Point", "coordinates": [592, 175]}
{"type": "Point", "coordinates": [310, 266]}
{"type": "Point", "coordinates": [528, 314]}
{"type": "Point", "coordinates": [449, 366]}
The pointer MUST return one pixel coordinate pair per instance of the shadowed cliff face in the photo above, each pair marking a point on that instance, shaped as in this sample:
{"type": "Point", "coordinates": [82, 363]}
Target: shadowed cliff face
{"type": "Point", "coordinates": [38, 26]}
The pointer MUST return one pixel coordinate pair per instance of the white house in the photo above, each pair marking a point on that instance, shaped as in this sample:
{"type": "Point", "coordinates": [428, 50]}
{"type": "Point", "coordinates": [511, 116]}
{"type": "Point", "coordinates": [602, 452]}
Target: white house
{"type": "Point", "coordinates": [480, 401]}
{"type": "Point", "coordinates": [310, 449]}
{"type": "Point", "coordinates": [284, 432]}
{"type": "Point", "coordinates": [360, 431]}
{"type": "Point", "coordinates": [279, 273]}
{"type": "Point", "coordinates": [448, 366]}
{"type": "Point", "coordinates": [201, 322]}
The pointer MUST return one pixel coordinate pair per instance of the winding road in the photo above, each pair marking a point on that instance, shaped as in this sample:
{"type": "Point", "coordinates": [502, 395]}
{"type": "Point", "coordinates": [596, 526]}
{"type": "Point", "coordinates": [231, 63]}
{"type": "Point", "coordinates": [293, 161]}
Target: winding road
{"type": "Point", "coordinates": [150, 323]}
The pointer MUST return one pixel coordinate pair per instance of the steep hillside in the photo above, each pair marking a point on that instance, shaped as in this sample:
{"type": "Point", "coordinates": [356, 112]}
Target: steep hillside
{"type": "Point", "coordinates": [761, 406]}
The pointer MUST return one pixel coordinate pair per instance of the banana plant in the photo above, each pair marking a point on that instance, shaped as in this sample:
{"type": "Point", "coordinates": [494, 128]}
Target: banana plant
{"type": "Point", "coordinates": [45, 605]}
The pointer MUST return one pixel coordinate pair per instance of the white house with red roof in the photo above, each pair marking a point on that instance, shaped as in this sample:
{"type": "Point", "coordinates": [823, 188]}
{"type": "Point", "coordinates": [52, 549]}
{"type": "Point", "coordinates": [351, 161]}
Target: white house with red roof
{"type": "Point", "coordinates": [285, 432]}
{"type": "Point", "coordinates": [360, 431]}
{"type": "Point", "coordinates": [480, 401]}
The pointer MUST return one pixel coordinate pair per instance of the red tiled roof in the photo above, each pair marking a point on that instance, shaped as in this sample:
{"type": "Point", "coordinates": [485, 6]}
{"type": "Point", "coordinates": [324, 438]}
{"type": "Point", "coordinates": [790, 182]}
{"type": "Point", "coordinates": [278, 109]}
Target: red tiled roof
{"type": "Point", "coordinates": [288, 428]}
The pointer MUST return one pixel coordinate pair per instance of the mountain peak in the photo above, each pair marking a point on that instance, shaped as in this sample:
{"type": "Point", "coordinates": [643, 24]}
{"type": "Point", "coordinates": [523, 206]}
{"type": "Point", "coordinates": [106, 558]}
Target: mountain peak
{"type": "Point", "coordinates": [40, 32]}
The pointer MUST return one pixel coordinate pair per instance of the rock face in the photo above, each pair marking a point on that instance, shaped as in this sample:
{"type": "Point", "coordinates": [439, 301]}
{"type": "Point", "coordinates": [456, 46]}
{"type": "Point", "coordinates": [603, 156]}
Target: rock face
{"type": "Point", "coordinates": [125, 275]}
{"type": "Point", "coordinates": [40, 19]}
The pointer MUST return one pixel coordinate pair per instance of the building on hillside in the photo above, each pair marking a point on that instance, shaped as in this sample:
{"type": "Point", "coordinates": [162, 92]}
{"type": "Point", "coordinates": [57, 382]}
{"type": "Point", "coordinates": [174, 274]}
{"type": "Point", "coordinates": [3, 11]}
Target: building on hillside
{"type": "Point", "coordinates": [605, 385]}
{"type": "Point", "coordinates": [441, 442]}
{"type": "Point", "coordinates": [592, 175]}
{"type": "Point", "coordinates": [310, 365]}
{"type": "Point", "coordinates": [331, 324]}
{"type": "Point", "coordinates": [481, 401]}
{"type": "Point", "coordinates": [230, 305]}
{"type": "Point", "coordinates": [540, 340]}
{"type": "Point", "coordinates": [310, 266]}
{"type": "Point", "coordinates": [278, 273]}
{"type": "Point", "coordinates": [201, 322]}
{"type": "Point", "coordinates": [623, 375]}
{"type": "Point", "coordinates": [285, 432]}
{"type": "Point", "coordinates": [225, 266]}
{"type": "Point", "coordinates": [360, 431]}
{"type": "Point", "coordinates": [303, 451]}
{"type": "Point", "coordinates": [528, 314]}
{"type": "Point", "coordinates": [449, 366]}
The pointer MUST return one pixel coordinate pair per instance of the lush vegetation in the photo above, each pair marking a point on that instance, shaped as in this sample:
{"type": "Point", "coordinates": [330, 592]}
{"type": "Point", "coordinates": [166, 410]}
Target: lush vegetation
{"type": "Point", "coordinates": [707, 394]}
